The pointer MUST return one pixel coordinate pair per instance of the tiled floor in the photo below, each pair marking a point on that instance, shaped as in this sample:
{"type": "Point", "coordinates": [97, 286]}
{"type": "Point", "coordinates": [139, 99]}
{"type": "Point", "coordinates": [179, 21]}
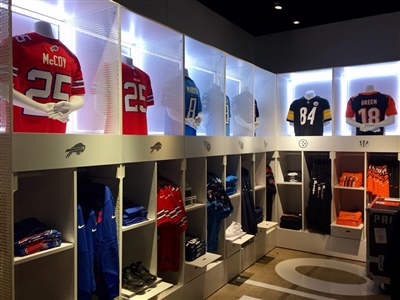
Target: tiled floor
{"type": "Point", "coordinates": [285, 274]}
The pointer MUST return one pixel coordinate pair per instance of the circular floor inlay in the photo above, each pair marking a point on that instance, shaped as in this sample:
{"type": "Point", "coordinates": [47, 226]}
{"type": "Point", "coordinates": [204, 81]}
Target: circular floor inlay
{"type": "Point", "coordinates": [287, 270]}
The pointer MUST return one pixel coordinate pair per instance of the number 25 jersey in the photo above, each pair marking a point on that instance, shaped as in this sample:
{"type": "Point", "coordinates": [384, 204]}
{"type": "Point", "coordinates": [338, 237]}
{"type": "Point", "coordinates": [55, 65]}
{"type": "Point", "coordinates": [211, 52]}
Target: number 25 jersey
{"type": "Point", "coordinates": [137, 95]}
{"type": "Point", "coordinates": [45, 70]}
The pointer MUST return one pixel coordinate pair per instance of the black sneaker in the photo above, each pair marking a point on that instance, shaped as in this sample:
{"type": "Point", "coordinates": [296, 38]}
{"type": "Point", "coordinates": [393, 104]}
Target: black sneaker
{"type": "Point", "coordinates": [139, 269]}
{"type": "Point", "coordinates": [131, 281]}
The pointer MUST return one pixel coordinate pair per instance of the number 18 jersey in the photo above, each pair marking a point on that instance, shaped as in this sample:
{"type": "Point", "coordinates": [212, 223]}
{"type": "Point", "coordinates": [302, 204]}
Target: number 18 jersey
{"type": "Point", "coordinates": [45, 70]}
{"type": "Point", "coordinates": [370, 107]}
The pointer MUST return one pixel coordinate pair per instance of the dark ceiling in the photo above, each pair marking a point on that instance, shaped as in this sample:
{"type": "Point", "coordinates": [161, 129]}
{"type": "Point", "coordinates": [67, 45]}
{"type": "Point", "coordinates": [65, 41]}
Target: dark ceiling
{"type": "Point", "coordinates": [259, 17]}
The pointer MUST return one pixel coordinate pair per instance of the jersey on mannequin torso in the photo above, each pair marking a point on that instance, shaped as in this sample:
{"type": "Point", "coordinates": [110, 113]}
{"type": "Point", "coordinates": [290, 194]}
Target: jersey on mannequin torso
{"type": "Point", "coordinates": [137, 94]}
{"type": "Point", "coordinates": [309, 117]}
{"type": "Point", "coordinates": [40, 105]}
{"type": "Point", "coordinates": [370, 111]}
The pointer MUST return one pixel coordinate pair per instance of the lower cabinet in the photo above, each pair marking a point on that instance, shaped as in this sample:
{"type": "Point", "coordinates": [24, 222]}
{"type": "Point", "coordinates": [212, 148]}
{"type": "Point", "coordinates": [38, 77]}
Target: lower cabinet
{"type": "Point", "coordinates": [52, 196]}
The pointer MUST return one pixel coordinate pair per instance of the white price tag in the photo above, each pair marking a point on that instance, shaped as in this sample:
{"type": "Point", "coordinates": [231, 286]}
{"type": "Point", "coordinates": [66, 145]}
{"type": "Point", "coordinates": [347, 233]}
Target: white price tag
{"type": "Point", "coordinates": [380, 235]}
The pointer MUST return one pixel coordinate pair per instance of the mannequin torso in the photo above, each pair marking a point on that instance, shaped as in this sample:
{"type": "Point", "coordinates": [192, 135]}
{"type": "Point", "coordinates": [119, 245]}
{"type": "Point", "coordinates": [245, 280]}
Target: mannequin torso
{"type": "Point", "coordinates": [369, 88]}
{"type": "Point", "coordinates": [127, 60]}
{"type": "Point", "coordinates": [309, 94]}
{"type": "Point", "coordinates": [44, 29]}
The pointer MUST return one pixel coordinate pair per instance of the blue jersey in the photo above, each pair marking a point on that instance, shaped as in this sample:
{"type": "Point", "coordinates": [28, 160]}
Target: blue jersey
{"type": "Point", "coordinates": [192, 105]}
{"type": "Point", "coordinates": [91, 237]}
{"type": "Point", "coordinates": [84, 266]}
{"type": "Point", "coordinates": [107, 260]}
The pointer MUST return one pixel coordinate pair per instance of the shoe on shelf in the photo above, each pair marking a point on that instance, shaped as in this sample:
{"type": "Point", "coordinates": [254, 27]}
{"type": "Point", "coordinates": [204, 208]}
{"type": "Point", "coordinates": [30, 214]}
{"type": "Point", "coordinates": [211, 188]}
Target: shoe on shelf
{"type": "Point", "coordinates": [140, 270]}
{"type": "Point", "coordinates": [131, 281]}
{"type": "Point", "coordinates": [234, 229]}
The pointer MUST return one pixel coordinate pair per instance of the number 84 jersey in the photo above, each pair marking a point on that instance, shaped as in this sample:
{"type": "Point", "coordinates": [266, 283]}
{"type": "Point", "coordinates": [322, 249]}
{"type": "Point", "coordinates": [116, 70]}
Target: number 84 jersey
{"type": "Point", "coordinates": [45, 70]}
{"type": "Point", "coordinates": [308, 116]}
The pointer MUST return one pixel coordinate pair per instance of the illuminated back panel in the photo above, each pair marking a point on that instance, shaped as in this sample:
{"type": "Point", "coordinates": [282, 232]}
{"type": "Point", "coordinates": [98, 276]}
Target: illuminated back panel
{"type": "Point", "coordinates": [94, 36]}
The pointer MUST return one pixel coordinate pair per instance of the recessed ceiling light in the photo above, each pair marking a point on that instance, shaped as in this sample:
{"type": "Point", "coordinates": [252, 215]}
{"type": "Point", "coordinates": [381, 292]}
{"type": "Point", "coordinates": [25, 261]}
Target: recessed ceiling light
{"type": "Point", "coordinates": [278, 5]}
{"type": "Point", "coordinates": [296, 22]}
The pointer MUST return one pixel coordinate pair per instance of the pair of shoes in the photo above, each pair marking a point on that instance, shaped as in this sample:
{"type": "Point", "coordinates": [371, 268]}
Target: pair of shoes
{"type": "Point", "coordinates": [131, 281]}
{"type": "Point", "coordinates": [139, 270]}
{"type": "Point", "coordinates": [234, 229]}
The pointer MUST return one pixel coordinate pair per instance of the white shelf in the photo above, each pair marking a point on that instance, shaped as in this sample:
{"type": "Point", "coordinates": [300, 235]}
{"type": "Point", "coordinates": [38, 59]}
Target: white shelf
{"type": "Point", "coordinates": [23, 259]}
{"type": "Point", "coordinates": [147, 292]}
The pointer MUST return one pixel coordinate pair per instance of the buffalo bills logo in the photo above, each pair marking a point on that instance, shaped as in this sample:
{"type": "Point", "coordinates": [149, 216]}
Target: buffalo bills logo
{"type": "Point", "coordinates": [54, 48]}
{"type": "Point", "coordinates": [77, 149]}
{"type": "Point", "coordinates": [157, 146]}
{"type": "Point", "coordinates": [207, 145]}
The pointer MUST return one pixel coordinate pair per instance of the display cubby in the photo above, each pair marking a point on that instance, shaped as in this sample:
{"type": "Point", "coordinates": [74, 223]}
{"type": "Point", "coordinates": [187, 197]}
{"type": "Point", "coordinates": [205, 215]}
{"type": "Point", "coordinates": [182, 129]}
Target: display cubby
{"type": "Point", "coordinates": [54, 205]}
{"type": "Point", "coordinates": [292, 86]}
{"type": "Point", "coordinates": [158, 51]}
{"type": "Point", "coordinates": [206, 66]}
{"type": "Point", "coordinates": [351, 80]}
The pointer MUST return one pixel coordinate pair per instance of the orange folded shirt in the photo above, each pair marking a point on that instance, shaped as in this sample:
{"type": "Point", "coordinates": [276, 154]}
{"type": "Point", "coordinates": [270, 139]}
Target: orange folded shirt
{"type": "Point", "coordinates": [351, 179]}
{"type": "Point", "coordinates": [349, 218]}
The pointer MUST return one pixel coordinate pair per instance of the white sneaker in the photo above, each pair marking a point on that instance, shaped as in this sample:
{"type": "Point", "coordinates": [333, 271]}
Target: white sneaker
{"type": "Point", "coordinates": [234, 229]}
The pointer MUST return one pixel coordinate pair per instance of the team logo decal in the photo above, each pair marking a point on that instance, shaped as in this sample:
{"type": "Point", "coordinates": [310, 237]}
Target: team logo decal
{"type": "Point", "coordinates": [315, 103]}
{"type": "Point", "coordinates": [207, 145]}
{"type": "Point", "coordinates": [364, 143]}
{"type": "Point", "coordinates": [78, 149]}
{"type": "Point", "coordinates": [241, 144]}
{"type": "Point", "coordinates": [157, 146]}
{"type": "Point", "coordinates": [303, 143]}
{"type": "Point", "coordinates": [54, 48]}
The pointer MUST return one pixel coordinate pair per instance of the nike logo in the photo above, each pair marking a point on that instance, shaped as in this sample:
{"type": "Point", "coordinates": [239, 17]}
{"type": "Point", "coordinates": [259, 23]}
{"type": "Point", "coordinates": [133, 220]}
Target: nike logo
{"type": "Point", "coordinates": [94, 229]}
{"type": "Point", "coordinates": [113, 217]}
{"type": "Point", "coordinates": [81, 226]}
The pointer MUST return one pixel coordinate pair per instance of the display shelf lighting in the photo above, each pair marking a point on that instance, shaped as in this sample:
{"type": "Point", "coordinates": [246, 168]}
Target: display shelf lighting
{"type": "Point", "coordinates": [311, 76]}
{"type": "Point", "coordinates": [379, 70]}
{"type": "Point", "coordinates": [34, 9]}
{"type": "Point", "coordinates": [278, 5]}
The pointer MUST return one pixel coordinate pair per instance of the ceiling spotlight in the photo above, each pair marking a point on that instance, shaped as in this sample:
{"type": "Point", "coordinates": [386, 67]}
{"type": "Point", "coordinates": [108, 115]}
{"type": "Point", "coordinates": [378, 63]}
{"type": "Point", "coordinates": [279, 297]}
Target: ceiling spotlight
{"type": "Point", "coordinates": [278, 5]}
{"type": "Point", "coordinates": [296, 22]}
